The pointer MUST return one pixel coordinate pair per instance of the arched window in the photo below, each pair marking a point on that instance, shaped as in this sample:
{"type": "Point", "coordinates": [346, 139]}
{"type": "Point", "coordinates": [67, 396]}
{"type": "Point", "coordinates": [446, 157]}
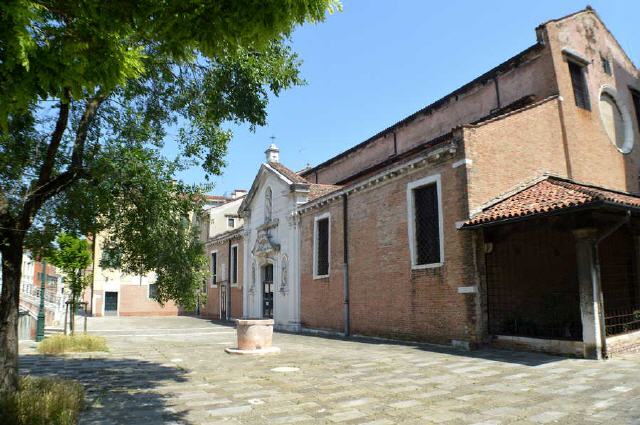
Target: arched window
{"type": "Point", "coordinates": [268, 205]}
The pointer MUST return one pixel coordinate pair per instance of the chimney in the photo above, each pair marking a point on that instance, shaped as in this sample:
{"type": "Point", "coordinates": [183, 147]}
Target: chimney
{"type": "Point", "coordinates": [272, 153]}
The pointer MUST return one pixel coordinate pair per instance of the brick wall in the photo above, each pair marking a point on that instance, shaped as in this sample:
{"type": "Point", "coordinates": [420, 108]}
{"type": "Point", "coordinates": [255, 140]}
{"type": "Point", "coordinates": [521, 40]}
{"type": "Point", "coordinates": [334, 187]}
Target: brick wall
{"type": "Point", "coordinates": [387, 297]}
{"type": "Point", "coordinates": [512, 150]}
{"type": "Point", "coordinates": [592, 156]}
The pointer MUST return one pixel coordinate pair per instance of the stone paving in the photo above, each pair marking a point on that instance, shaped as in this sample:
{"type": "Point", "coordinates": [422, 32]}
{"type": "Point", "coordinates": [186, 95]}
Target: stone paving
{"type": "Point", "coordinates": [175, 370]}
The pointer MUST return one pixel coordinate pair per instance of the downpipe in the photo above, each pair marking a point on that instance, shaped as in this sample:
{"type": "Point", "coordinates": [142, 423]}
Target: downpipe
{"type": "Point", "coordinates": [345, 265]}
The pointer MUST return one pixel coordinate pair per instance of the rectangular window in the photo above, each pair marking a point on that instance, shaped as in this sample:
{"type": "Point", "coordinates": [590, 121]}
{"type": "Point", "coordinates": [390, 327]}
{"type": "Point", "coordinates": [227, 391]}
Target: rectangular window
{"type": "Point", "coordinates": [231, 222]}
{"type": "Point", "coordinates": [153, 291]}
{"type": "Point", "coordinates": [635, 95]}
{"type": "Point", "coordinates": [580, 87]}
{"type": "Point", "coordinates": [234, 264]}
{"type": "Point", "coordinates": [321, 246]}
{"type": "Point", "coordinates": [425, 222]}
{"type": "Point", "coordinates": [214, 268]}
{"type": "Point", "coordinates": [606, 65]}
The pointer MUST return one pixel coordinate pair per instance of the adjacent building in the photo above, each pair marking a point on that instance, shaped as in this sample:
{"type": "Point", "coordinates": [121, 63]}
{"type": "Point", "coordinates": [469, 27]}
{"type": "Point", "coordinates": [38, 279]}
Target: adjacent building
{"type": "Point", "coordinates": [505, 213]}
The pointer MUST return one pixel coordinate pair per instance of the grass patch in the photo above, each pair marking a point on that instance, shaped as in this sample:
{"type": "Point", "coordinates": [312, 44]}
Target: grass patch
{"type": "Point", "coordinates": [43, 401]}
{"type": "Point", "coordinates": [58, 344]}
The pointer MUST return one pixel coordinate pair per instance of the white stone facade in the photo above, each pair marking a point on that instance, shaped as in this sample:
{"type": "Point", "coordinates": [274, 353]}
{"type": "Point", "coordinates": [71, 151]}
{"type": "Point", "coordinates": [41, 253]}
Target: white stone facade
{"type": "Point", "coordinates": [271, 237]}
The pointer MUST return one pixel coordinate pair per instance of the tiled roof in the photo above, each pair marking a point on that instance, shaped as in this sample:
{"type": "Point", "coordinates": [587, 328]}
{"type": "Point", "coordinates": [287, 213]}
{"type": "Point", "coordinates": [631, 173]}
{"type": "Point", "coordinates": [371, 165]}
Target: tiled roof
{"type": "Point", "coordinates": [288, 173]}
{"type": "Point", "coordinates": [548, 195]}
{"type": "Point", "coordinates": [319, 190]}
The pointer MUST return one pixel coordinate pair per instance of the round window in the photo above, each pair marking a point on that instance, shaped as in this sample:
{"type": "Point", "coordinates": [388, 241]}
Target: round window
{"type": "Point", "coordinates": [616, 120]}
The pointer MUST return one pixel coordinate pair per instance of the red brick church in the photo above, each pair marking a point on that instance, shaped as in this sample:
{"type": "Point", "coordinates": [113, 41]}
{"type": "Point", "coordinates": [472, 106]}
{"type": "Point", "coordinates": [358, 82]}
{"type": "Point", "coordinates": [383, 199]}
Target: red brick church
{"type": "Point", "coordinates": [505, 213]}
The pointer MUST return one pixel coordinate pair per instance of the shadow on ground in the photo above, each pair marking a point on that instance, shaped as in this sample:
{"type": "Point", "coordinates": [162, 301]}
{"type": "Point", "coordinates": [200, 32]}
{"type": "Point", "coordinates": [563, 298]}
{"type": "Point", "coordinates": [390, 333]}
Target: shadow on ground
{"type": "Point", "coordinates": [118, 391]}
{"type": "Point", "coordinates": [523, 358]}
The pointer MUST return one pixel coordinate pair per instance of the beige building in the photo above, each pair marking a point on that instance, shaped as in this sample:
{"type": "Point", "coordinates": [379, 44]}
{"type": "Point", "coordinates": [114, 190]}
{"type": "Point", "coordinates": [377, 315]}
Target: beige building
{"type": "Point", "coordinates": [114, 293]}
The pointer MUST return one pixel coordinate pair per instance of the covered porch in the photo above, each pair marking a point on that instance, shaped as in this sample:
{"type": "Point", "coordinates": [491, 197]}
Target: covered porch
{"type": "Point", "coordinates": [561, 269]}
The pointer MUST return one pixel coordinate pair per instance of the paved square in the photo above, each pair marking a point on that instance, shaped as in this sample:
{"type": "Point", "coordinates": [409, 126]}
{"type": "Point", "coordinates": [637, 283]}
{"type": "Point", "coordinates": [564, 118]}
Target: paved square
{"type": "Point", "coordinates": [175, 370]}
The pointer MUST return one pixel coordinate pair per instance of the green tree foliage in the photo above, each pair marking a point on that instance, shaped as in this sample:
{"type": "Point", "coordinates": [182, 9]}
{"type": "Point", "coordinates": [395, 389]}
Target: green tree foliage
{"type": "Point", "coordinates": [91, 91]}
{"type": "Point", "coordinates": [73, 256]}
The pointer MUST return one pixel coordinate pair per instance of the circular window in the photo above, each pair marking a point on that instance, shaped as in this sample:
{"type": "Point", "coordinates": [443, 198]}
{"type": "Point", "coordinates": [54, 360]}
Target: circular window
{"type": "Point", "coordinates": [616, 120]}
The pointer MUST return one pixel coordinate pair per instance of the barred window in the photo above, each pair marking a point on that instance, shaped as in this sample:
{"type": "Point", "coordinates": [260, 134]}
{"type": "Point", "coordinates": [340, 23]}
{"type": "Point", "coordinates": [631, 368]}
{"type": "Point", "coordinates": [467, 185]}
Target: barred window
{"type": "Point", "coordinates": [580, 87]}
{"type": "Point", "coordinates": [425, 222]}
{"type": "Point", "coordinates": [321, 249]}
{"type": "Point", "coordinates": [234, 264]}
{"type": "Point", "coordinates": [427, 228]}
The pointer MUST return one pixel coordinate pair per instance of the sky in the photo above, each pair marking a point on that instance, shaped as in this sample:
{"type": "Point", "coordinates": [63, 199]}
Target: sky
{"type": "Point", "coordinates": [377, 62]}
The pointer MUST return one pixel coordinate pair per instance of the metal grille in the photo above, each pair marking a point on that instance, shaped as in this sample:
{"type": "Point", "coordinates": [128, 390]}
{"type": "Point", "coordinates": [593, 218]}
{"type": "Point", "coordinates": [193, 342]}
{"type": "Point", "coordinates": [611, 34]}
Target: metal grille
{"type": "Point", "coordinates": [427, 225]}
{"type": "Point", "coordinates": [267, 296]}
{"type": "Point", "coordinates": [322, 255]}
{"type": "Point", "coordinates": [622, 320]}
{"type": "Point", "coordinates": [580, 88]}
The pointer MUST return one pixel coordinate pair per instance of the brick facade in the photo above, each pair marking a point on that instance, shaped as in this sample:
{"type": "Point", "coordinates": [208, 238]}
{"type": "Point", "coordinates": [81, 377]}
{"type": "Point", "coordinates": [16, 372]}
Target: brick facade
{"type": "Point", "coordinates": [492, 152]}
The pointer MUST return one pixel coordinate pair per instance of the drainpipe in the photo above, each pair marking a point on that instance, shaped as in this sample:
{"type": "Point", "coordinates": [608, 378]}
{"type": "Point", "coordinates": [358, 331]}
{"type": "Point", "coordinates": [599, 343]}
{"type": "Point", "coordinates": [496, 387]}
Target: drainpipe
{"type": "Point", "coordinates": [345, 265]}
{"type": "Point", "coordinates": [228, 306]}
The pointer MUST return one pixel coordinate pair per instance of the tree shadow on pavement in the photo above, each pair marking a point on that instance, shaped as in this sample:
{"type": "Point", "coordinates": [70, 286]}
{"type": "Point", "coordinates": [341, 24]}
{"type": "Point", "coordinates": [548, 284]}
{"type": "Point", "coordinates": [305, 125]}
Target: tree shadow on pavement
{"type": "Point", "coordinates": [118, 391]}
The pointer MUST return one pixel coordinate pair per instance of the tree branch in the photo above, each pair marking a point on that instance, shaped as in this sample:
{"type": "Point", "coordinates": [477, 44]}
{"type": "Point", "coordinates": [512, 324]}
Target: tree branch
{"type": "Point", "coordinates": [83, 128]}
{"type": "Point", "coordinates": [52, 186]}
{"type": "Point", "coordinates": [56, 138]}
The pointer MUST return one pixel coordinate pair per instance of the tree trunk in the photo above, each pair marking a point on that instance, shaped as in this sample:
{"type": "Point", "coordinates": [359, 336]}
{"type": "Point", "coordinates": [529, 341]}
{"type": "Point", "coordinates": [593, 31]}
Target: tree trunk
{"type": "Point", "coordinates": [9, 305]}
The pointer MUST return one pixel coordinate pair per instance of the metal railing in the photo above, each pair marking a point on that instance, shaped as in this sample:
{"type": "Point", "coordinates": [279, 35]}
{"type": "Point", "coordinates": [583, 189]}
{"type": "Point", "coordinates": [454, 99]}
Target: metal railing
{"type": "Point", "coordinates": [622, 320]}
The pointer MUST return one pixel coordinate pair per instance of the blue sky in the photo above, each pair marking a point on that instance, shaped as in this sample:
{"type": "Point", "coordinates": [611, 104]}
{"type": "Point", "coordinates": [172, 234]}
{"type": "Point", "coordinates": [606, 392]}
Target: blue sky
{"type": "Point", "coordinates": [379, 61]}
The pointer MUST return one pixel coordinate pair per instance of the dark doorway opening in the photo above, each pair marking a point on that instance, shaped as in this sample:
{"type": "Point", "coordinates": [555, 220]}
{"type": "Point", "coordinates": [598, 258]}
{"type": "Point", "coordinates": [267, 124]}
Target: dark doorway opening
{"type": "Point", "coordinates": [267, 291]}
{"type": "Point", "coordinates": [110, 303]}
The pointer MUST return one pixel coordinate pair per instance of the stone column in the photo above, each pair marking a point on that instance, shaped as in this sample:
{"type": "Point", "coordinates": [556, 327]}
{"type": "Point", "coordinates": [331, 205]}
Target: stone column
{"type": "Point", "coordinates": [590, 293]}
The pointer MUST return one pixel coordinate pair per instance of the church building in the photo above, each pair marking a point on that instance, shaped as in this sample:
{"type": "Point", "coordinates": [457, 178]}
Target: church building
{"type": "Point", "coordinates": [506, 213]}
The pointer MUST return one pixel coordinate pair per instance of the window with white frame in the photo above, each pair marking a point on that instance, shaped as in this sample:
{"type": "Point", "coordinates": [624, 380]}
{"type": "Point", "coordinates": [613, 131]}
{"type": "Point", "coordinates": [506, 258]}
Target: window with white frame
{"type": "Point", "coordinates": [214, 268]}
{"type": "Point", "coordinates": [231, 222]}
{"type": "Point", "coordinates": [425, 222]}
{"type": "Point", "coordinates": [234, 264]}
{"type": "Point", "coordinates": [321, 245]}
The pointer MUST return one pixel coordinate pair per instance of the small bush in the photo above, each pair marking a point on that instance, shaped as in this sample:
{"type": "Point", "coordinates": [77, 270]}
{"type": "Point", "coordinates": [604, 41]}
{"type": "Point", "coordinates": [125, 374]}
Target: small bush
{"type": "Point", "coordinates": [58, 344]}
{"type": "Point", "coordinates": [43, 401]}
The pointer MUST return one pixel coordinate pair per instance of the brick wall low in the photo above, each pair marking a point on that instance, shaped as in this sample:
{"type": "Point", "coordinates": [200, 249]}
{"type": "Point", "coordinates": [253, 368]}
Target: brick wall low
{"type": "Point", "coordinates": [134, 301]}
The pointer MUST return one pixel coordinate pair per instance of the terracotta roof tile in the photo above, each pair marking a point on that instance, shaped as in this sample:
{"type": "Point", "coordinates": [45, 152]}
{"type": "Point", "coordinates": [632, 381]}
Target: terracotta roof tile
{"type": "Point", "coordinates": [288, 173]}
{"type": "Point", "coordinates": [319, 190]}
{"type": "Point", "coordinates": [550, 195]}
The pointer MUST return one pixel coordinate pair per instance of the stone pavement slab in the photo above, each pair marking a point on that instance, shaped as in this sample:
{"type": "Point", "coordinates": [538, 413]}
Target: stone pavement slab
{"type": "Point", "coordinates": [173, 370]}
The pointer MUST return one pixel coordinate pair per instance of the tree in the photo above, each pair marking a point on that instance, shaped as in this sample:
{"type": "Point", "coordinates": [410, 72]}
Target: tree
{"type": "Point", "coordinates": [73, 256]}
{"type": "Point", "coordinates": [90, 91]}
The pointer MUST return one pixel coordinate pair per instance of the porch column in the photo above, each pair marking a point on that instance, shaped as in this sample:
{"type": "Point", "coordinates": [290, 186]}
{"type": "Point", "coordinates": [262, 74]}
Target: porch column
{"type": "Point", "coordinates": [590, 292]}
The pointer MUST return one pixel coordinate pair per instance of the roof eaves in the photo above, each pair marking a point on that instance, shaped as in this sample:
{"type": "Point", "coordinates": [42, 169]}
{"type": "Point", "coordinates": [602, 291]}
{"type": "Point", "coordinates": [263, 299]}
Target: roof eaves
{"type": "Point", "coordinates": [503, 67]}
